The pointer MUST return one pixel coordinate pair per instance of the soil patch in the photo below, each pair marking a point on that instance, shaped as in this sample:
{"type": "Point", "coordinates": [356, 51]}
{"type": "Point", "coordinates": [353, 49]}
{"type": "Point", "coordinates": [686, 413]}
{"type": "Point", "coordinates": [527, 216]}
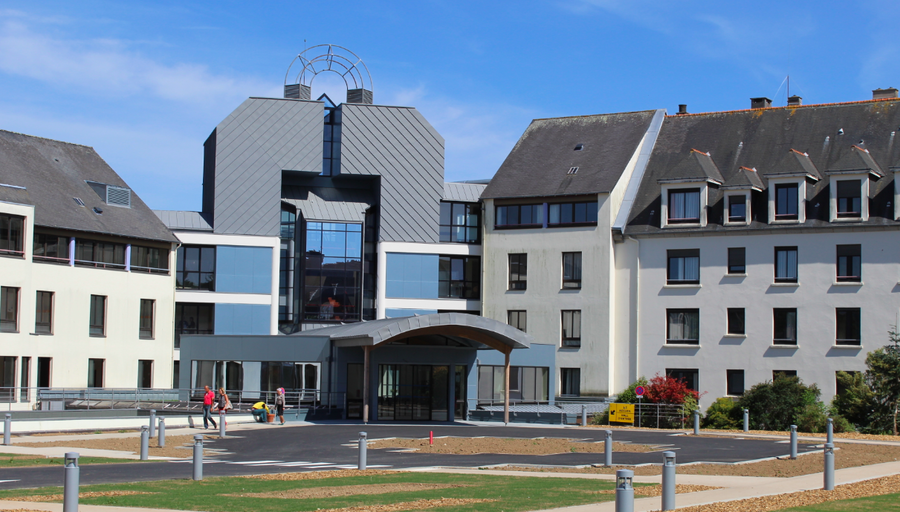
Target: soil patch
{"type": "Point", "coordinates": [842, 435]}
{"type": "Point", "coordinates": [506, 446]}
{"type": "Point", "coordinates": [175, 445]}
{"type": "Point", "coordinates": [408, 505]}
{"type": "Point", "coordinates": [59, 497]}
{"type": "Point", "coordinates": [318, 475]}
{"type": "Point", "coordinates": [347, 490]}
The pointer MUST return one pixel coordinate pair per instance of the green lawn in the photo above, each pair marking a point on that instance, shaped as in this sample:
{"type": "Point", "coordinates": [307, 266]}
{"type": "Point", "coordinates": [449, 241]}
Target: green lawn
{"type": "Point", "coordinates": [8, 460]}
{"type": "Point", "coordinates": [884, 503]}
{"type": "Point", "coordinates": [509, 493]}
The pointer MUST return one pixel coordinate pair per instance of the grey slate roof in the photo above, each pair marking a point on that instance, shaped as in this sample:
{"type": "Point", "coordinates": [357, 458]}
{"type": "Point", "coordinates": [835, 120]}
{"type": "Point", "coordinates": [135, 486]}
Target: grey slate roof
{"type": "Point", "coordinates": [746, 178]}
{"type": "Point", "coordinates": [55, 172]}
{"type": "Point", "coordinates": [463, 192]}
{"type": "Point", "coordinates": [695, 166]}
{"type": "Point", "coordinates": [184, 221]}
{"type": "Point", "coordinates": [811, 141]}
{"type": "Point", "coordinates": [323, 203]}
{"type": "Point", "coordinates": [538, 164]}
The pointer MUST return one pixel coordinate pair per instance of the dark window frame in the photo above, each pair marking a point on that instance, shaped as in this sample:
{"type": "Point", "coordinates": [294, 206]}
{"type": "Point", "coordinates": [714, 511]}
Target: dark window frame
{"type": "Point", "coordinates": [780, 374]}
{"type": "Point", "coordinates": [784, 325]}
{"type": "Point", "coordinates": [578, 213]}
{"type": "Point", "coordinates": [517, 318]}
{"type": "Point", "coordinates": [96, 374]}
{"type": "Point", "coordinates": [450, 227]}
{"type": "Point", "coordinates": [737, 260]}
{"type": "Point", "coordinates": [570, 382]}
{"type": "Point", "coordinates": [848, 326]}
{"type": "Point", "coordinates": [147, 320]}
{"type": "Point", "coordinates": [12, 235]}
{"type": "Point", "coordinates": [100, 254]}
{"type": "Point", "coordinates": [848, 196]}
{"type": "Point", "coordinates": [787, 205]}
{"type": "Point", "coordinates": [98, 314]}
{"type": "Point", "coordinates": [737, 321]}
{"type": "Point", "coordinates": [571, 264]}
{"type": "Point", "coordinates": [732, 377]}
{"type": "Point", "coordinates": [518, 271]}
{"type": "Point", "coordinates": [671, 219]}
{"type": "Point", "coordinates": [570, 328]}
{"type": "Point", "coordinates": [203, 312]}
{"type": "Point", "coordinates": [153, 260]}
{"type": "Point", "coordinates": [512, 213]}
{"type": "Point", "coordinates": [849, 263]}
{"type": "Point", "coordinates": [690, 376]}
{"type": "Point", "coordinates": [731, 203]}
{"type": "Point", "coordinates": [43, 312]}
{"type": "Point", "coordinates": [469, 287]}
{"type": "Point", "coordinates": [785, 275]}
{"type": "Point", "coordinates": [9, 309]}
{"type": "Point", "coordinates": [41, 248]}
{"type": "Point", "coordinates": [673, 256]}
{"type": "Point", "coordinates": [206, 277]}
{"type": "Point", "coordinates": [685, 315]}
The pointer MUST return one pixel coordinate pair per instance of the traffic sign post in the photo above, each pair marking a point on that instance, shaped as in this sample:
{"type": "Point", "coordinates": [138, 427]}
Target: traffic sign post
{"type": "Point", "coordinates": [639, 391]}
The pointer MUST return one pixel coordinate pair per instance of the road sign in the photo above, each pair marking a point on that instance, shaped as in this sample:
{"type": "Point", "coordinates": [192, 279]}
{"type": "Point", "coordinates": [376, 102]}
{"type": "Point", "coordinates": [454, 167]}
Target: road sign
{"type": "Point", "coordinates": [621, 413]}
{"type": "Point", "coordinates": [639, 391]}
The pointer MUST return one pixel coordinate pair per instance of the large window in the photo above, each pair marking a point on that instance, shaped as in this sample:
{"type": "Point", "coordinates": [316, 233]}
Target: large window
{"type": "Point", "coordinates": [459, 277]}
{"type": "Point", "coordinates": [9, 309]}
{"type": "Point", "coordinates": [149, 259]}
{"type": "Point", "coordinates": [148, 307]}
{"type": "Point", "coordinates": [849, 263]}
{"type": "Point", "coordinates": [785, 264]}
{"type": "Point", "coordinates": [849, 199]}
{"type": "Point", "coordinates": [683, 326]}
{"type": "Point", "coordinates": [43, 313]}
{"type": "Point", "coordinates": [519, 215]}
{"type": "Point", "coordinates": [195, 268]}
{"type": "Point", "coordinates": [848, 326]}
{"type": "Point", "coordinates": [98, 315]}
{"type": "Point", "coordinates": [786, 201]}
{"type": "Point", "coordinates": [736, 324]}
{"type": "Point", "coordinates": [571, 328]}
{"type": "Point", "coordinates": [570, 381]}
{"type": "Point", "coordinates": [690, 376]}
{"type": "Point", "coordinates": [526, 383]}
{"type": "Point", "coordinates": [737, 260]}
{"type": "Point", "coordinates": [683, 266]}
{"type": "Point", "coordinates": [95, 373]}
{"type": "Point", "coordinates": [737, 208]}
{"type": "Point", "coordinates": [785, 321]}
{"type": "Point", "coordinates": [193, 319]}
{"type": "Point", "coordinates": [561, 214]}
{"type": "Point", "coordinates": [332, 274]}
{"type": "Point", "coordinates": [91, 253]}
{"type": "Point", "coordinates": [460, 222]}
{"type": "Point", "coordinates": [684, 206]}
{"type": "Point", "coordinates": [571, 262]}
{"type": "Point", "coordinates": [51, 248]}
{"type": "Point", "coordinates": [517, 319]}
{"type": "Point", "coordinates": [735, 382]}
{"type": "Point", "coordinates": [12, 234]}
{"type": "Point", "coordinates": [518, 271]}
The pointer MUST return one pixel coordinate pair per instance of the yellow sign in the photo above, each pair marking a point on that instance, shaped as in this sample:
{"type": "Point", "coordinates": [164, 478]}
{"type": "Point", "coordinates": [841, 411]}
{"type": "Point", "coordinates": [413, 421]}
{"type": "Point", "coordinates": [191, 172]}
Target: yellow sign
{"type": "Point", "coordinates": [621, 413]}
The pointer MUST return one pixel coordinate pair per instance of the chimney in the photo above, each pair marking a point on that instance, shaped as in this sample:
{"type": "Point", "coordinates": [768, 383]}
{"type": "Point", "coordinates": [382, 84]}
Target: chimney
{"type": "Point", "coordinates": [795, 101]}
{"type": "Point", "coordinates": [682, 109]}
{"type": "Point", "coordinates": [884, 94]}
{"type": "Point", "coordinates": [297, 91]}
{"type": "Point", "coordinates": [760, 102]}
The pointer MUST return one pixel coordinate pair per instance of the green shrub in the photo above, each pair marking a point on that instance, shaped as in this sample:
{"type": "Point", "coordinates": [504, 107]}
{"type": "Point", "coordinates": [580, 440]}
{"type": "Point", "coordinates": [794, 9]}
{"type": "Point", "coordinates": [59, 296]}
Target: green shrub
{"type": "Point", "coordinates": [628, 396]}
{"type": "Point", "coordinates": [724, 413]}
{"type": "Point", "coordinates": [855, 401]}
{"type": "Point", "coordinates": [778, 405]}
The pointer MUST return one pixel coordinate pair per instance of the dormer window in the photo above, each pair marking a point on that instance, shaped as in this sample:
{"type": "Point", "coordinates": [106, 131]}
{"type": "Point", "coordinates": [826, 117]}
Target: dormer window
{"type": "Point", "coordinates": [849, 199]}
{"type": "Point", "coordinates": [736, 208]}
{"type": "Point", "coordinates": [786, 201]}
{"type": "Point", "coordinates": [684, 206]}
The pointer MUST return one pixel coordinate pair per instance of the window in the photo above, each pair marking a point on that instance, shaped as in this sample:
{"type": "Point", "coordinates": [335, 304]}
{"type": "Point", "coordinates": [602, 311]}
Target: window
{"type": "Point", "coordinates": [684, 266]}
{"type": "Point", "coordinates": [195, 268]}
{"type": "Point", "coordinates": [146, 325]}
{"type": "Point", "coordinates": [25, 380]}
{"type": "Point", "coordinates": [528, 383]}
{"type": "Point", "coordinates": [785, 320]}
{"type": "Point", "coordinates": [332, 272]}
{"type": "Point", "coordinates": [736, 323]}
{"type": "Point", "coordinates": [193, 319]}
{"type": "Point", "coordinates": [572, 213]}
{"type": "Point", "coordinates": [525, 215]}
{"type": "Point", "coordinates": [848, 326]}
{"type": "Point", "coordinates": [9, 309]}
{"type": "Point", "coordinates": [783, 374]}
{"type": "Point", "coordinates": [95, 373]}
{"type": "Point", "coordinates": [684, 206]}
{"type": "Point", "coordinates": [737, 260]}
{"type": "Point", "coordinates": [145, 374]}
{"type": "Point", "coordinates": [149, 259]}
{"type": "Point", "coordinates": [12, 234]}
{"type": "Point", "coordinates": [690, 376]}
{"type": "Point", "coordinates": [683, 326]}
{"type": "Point", "coordinates": [8, 379]}
{"type": "Point", "coordinates": [458, 277]}
{"type": "Point", "coordinates": [785, 264]}
{"type": "Point", "coordinates": [91, 253]}
{"type": "Point", "coordinates": [849, 263]}
{"type": "Point", "coordinates": [571, 270]}
{"type": "Point", "coordinates": [460, 222]}
{"type": "Point", "coordinates": [51, 248]}
{"type": "Point", "coordinates": [737, 208]}
{"type": "Point", "coordinates": [849, 199]}
{"type": "Point", "coordinates": [518, 271]}
{"type": "Point", "coordinates": [517, 319]}
{"type": "Point", "coordinates": [98, 315]}
{"type": "Point", "coordinates": [735, 382]}
{"type": "Point", "coordinates": [786, 199]}
{"type": "Point", "coordinates": [571, 328]}
{"type": "Point", "coordinates": [570, 381]}
{"type": "Point", "coordinates": [43, 313]}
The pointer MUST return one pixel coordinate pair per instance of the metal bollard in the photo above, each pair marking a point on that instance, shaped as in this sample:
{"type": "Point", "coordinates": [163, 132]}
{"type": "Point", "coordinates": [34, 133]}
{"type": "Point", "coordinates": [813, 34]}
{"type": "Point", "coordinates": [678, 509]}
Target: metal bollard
{"type": "Point", "coordinates": [668, 481]}
{"type": "Point", "coordinates": [363, 447]}
{"type": "Point", "coordinates": [829, 431]}
{"type": "Point", "coordinates": [145, 441]}
{"type": "Point", "coordinates": [829, 466]}
{"type": "Point", "coordinates": [7, 429]}
{"type": "Point", "coordinates": [793, 442]}
{"type": "Point", "coordinates": [198, 457]}
{"type": "Point", "coordinates": [608, 449]}
{"type": "Point", "coordinates": [70, 489]}
{"type": "Point", "coordinates": [161, 440]}
{"type": "Point", "coordinates": [222, 424]}
{"type": "Point", "coordinates": [583, 415]}
{"type": "Point", "coordinates": [624, 490]}
{"type": "Point", "coordinates": [696, 423]}
{"type": "Point", "coordinates": [152, 422]}
{"type": "Point", "coordinates": [746, 420]}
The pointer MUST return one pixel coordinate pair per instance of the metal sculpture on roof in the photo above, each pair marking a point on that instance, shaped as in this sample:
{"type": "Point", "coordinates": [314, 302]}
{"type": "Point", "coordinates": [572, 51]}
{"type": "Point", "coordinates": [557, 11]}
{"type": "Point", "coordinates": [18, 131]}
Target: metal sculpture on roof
{"type": "Point", "coordinates": [331, 58]}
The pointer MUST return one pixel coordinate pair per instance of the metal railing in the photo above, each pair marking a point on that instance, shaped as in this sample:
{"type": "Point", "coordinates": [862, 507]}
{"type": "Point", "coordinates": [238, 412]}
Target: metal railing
{"type": "Point", "coordinates": [647, 415]}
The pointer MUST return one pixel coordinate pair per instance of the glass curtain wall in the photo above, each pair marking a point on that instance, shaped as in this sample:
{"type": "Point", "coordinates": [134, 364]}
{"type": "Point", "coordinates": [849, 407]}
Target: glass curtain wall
{"type": "Point", "coordinates": [332, 279]}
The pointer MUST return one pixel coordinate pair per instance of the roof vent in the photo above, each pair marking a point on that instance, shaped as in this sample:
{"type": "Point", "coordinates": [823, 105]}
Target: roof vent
{"type": "Point", "coordinates": [111, 194]}
{"type": "Point", "coordinates": [884, 94]}
{"type": "Point", "coordinates": [579, 147]}
{"type": "Point", "coordinates": [572, 170]}
{"type": "Point", "coordinates": [98, 211]}
{"type": "Point", "coordinates": [760, 102]}
{"type": "Point", "coordinates": [78, 201]}
{"type": "Point", "coordinates": [682, 109]}
{"type": "Point", "coordinates": [795, 101]}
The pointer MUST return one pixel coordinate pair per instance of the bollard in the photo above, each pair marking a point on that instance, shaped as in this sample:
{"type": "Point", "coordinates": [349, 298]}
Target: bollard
{"type": "Point", "coordinates": [191, 421]}
{"type": "Point", "coordinates": [668, 481]}
{"type": "Point", "coordinates": [152, 422]}
{"type": "Point", "coordinates": [198, 457]}
{"type": "Point", "coordinates": [608, 449]}
{"type": "Point", "coordinates": [829, 466]}
{"type": "Point", "coordinates": [746, 420]}
{"type": "Point", "coordinates": [793, 442]}
{"type": "Point", "coordinates": [363, 446]}
{"type": "Point", "coordinates": [221, 424]}
{"type": "Point", "coordinates": [70, 489]}
{"type": "Point", "coordinates": [583, 415]}
{"type": "Point", "coordinates": [161, 439]}
{"type": "Point", "coordinates": [696, 423]}
{"type": "Point", "coordinates": [829, 431]}
{"type": "Point", "coordinates": [7, 429]}
{"type": "Point", "coordinates": [145, 441]}
{"type": "Point", "coordinates": [624, 490]}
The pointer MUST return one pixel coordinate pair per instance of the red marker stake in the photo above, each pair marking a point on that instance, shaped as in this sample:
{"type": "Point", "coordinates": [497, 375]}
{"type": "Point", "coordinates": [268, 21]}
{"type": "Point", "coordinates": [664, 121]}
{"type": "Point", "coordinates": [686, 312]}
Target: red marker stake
{"type": "Point", "coordinates": [431, 437]}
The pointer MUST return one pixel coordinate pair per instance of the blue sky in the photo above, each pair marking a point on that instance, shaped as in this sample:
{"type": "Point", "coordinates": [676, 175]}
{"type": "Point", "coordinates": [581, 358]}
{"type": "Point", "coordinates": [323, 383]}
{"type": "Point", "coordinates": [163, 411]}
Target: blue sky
{"type": "Point", "coordinates": [146, 82]}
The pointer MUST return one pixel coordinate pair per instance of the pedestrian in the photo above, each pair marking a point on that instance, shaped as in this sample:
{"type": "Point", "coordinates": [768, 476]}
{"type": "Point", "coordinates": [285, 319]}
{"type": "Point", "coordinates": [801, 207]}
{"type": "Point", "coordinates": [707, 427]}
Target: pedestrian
{"type": "Point", "coordinates": [279, 404]}
{"type": "Point", "coordinates": [208, 398]}
{"type": "Point", "coordinates": [260, 411]}
{"type": "Point", "coordinates": [223, 403]}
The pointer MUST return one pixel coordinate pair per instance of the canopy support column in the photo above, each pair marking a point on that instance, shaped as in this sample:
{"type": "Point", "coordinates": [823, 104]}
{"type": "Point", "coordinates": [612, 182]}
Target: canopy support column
{"type": "Point", "coordinates": [366, 350]}
{"type": "Point", "coordinates": [506, 388]}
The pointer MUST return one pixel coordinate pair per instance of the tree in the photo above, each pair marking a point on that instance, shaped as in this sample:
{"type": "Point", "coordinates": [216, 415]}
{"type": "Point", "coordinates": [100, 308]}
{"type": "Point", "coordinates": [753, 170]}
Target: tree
{"type": "Point", "coordinates": [778, 404]}
{"type": "Point", "coordinates": [855, 400]}
{"type": "Point", "coordinates": [883, 376]}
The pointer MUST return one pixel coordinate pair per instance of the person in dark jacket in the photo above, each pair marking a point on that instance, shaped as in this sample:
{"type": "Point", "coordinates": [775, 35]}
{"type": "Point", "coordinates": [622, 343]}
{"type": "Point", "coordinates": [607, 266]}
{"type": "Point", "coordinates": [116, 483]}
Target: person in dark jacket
{"type": "Point", "coordinates": [279, 404]}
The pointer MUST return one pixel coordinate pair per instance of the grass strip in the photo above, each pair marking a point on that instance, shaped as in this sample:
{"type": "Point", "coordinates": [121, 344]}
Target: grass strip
{"type": "Point", "coordinates": [8, 460]}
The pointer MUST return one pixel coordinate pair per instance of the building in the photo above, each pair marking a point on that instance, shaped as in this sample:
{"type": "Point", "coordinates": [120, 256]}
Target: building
{"type": "Point", "coordinates": [85, 283]}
